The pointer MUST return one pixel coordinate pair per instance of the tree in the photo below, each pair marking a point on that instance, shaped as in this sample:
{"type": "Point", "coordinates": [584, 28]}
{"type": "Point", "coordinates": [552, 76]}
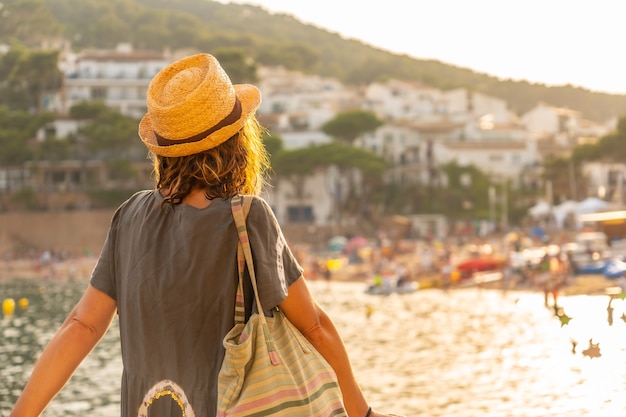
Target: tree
{"type": "Point", "coordinates": [239, 68]}
{"type": "Point", "coordinates": [29, 20]}
{"type": "Point", "coordinates": [349, 125]}
{"type": "Point", "coordinates": [17, 129]}
{"type": "Point", "coordinates": [466, 192]}
{"type": "Point", "coordinates": [28, 76]}
{"type": "Point", "coordinates": [88, 110]}
{"type": "Point", "coordinates": [565, 177]}
{"type": "Point", "coordinates": [296, 56]}
{"type": "Point", "coordinates": [111, 135]}
{"type": "Point", "coordinates": [54, 149]}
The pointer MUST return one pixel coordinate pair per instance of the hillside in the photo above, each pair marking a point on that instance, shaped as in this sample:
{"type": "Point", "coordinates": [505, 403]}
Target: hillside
{"type": "Point", "coordinates": [270, 39]}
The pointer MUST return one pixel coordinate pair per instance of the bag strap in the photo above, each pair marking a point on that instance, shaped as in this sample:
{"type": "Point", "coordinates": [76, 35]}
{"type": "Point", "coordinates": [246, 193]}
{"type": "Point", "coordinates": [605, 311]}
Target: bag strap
{"type": "Point", "coordinates": [240, 206]}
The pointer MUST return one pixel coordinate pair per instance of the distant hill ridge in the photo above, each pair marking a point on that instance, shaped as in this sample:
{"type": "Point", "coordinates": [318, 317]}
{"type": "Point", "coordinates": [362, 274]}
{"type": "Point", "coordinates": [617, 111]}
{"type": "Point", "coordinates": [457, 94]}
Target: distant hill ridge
{"type": "Point", "coordinates": [270, 39]}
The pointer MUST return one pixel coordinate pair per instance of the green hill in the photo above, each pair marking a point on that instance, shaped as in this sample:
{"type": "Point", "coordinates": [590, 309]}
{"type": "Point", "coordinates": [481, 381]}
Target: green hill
{"type": "Point", "coordinates": [270, 39]}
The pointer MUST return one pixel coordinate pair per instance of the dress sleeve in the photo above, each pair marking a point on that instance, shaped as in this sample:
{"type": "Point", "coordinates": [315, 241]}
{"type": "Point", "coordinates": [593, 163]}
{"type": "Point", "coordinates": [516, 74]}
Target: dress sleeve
{"type": "Point", "coordinates": [275, 265]}
{"type": "Point", "coordinates": [103, 275]}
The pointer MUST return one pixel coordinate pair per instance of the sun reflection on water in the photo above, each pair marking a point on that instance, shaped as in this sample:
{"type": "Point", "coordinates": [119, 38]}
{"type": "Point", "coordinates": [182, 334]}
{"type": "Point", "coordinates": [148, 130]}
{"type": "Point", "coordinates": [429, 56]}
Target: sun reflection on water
{"type": "Point", "coordinates": [467, 353]}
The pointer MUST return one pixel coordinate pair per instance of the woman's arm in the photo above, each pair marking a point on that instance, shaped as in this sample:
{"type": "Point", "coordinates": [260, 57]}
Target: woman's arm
{"type": "Point", "coordinates": [313, 322]}
{"type": "Point", "coordinates": [79, 334]}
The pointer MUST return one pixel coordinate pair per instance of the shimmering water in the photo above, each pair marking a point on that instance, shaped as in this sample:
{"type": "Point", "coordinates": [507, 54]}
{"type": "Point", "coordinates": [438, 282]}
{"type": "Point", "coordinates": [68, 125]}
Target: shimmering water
{"type": "Point", "coordinates": [465, 353]}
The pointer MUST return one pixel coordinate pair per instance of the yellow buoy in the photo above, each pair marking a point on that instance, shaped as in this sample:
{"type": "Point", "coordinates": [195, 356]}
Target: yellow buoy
{"type": "Point", "coordinates": [23, 303]}
{"type": "Point", "coordinates": [8, 306]}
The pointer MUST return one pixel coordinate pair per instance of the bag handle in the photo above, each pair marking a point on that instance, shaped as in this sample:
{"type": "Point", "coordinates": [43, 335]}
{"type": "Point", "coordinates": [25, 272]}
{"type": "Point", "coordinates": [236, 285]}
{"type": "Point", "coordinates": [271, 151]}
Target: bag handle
{"type": "Point", "coordinates": [240, 206]}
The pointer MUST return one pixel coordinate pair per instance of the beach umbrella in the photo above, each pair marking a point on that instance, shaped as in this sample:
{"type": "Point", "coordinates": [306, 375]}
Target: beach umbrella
{"type": "Point", "coordinates": [591, 205]}
{"type": "Point", "coordinates": [356, 242]}
{"type": "Point", "coordinates": [542, 208]}
{"type": "Point", "coordinates": [337, 243]}
{"type": "Point", "coordinates": [563, 210]}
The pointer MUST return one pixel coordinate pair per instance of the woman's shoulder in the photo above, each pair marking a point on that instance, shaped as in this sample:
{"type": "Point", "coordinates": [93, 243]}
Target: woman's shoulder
{"type": "Point", "coordinates": [138, 199]}
{"type": "Point", "coordinates": [261, 214]}
{"type": "Point", "coordinates": [259, 205]}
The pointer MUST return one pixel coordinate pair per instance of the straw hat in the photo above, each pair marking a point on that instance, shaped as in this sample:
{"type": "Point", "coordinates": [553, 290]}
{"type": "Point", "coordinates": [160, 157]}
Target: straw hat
{"type": "Point", "coordinates": [193, 106]}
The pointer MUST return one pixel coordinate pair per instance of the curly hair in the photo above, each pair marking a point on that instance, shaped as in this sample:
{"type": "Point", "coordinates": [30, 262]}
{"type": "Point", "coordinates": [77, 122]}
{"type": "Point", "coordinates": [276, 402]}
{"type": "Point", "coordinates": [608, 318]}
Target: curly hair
{"type": "Point", "coordinates": [237, 166]}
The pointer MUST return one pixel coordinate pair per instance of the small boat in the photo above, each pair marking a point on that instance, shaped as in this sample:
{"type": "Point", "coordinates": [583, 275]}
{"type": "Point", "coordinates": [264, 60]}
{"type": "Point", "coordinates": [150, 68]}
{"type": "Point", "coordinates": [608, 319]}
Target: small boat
{"type": "Point", "coordinates": [590, 253]}
{"type": "Point", "coordinates": [388, 288]}
{"type": "Point", "coordinates": [615, 268]}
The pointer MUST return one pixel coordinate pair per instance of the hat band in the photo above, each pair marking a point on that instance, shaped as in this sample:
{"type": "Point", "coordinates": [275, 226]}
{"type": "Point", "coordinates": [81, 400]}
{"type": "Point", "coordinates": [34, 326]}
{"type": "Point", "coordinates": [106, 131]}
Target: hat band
{"type": "Point", "coordinates": [234, 115]}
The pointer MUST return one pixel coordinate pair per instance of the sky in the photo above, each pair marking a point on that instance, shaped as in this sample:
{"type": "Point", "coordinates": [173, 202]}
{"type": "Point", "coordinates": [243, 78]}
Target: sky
{"type": "Point", "coordinates": [553, 42]}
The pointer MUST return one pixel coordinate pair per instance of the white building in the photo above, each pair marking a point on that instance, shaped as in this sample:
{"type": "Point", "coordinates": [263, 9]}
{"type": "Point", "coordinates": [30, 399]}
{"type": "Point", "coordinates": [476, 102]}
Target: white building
{"type": "Point", "coordinates": [606, 181]}
{"type": "Point", "coordinates": [401, 144]}
{"type": "Point", "coordinates": [310, 200]}
{"type": "Point", "coordinates": [306, 101]}
{"type": "Point", "coordinates": [403, 100]}
{"type": "Point", "coordinates": [119, 77]}
{"type": "Point", "coordinates": [59, 128]}
{"type": "Point", "coordinates": [505, 159]}
{"type": "Point", "coordinates": [464, 104]}
{"type": "Point", "coordinates": [417, 149]}
{"type": "Point", "coordinates": [566, 127]}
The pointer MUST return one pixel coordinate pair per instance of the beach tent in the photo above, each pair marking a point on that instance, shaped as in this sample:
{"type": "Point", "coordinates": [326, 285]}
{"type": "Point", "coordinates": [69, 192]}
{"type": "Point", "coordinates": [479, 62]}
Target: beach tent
{"type": "Point", "coordinates": [561, 211]}
{"type": "Point", "coordinates": [591, 205]}
{"type": "Point", "coordinates": [542, 208]}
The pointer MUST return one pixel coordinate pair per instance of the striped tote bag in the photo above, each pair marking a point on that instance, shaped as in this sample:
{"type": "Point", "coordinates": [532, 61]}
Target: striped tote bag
{"type": "Point", "coordinates": [269, 368]}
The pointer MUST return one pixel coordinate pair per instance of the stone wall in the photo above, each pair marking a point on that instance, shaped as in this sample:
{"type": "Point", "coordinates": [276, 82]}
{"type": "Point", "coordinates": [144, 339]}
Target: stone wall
{"type": "Point", "coordinates": [79, 231]}
{"type": "Point", "coordinates": [75, 232]}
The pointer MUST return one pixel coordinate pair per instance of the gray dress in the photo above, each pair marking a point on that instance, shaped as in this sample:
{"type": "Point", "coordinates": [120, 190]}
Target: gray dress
{"type": "Point", "coordinates": [173, 275]}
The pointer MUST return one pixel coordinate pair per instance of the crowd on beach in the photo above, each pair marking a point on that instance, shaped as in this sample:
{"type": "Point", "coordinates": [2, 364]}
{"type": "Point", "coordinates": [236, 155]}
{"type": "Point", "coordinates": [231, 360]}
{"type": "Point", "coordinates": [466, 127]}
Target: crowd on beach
{"type": "Point", "coordinates": [445, 263]}
{"type": "Point", "coordinates": [48, 264]}
{"type": "Point", "coordinates": [422, 263]}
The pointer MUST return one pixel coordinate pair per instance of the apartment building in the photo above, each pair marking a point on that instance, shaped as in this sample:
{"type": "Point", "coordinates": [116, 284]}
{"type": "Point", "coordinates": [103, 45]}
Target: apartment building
{"type": "Point", "coordinates": [118, 77]}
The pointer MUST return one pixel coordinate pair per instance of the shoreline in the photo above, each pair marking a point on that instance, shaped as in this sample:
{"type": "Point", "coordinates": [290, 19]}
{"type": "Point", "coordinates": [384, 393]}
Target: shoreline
{"type": "Point", "coordinates": [53, 270]}
{"type": "Point", "coordinates": [80, 268]}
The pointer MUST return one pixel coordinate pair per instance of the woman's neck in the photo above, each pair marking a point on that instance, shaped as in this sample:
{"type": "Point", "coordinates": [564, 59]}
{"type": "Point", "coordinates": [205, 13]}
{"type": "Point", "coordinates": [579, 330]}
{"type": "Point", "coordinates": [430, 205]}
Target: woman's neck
{"type": "Point", "coordinates": [196, 197]}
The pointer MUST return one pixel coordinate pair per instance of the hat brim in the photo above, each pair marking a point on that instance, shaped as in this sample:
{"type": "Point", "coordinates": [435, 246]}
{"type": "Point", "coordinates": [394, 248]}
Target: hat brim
{"type": "Point", "coordinates": [250, 98]}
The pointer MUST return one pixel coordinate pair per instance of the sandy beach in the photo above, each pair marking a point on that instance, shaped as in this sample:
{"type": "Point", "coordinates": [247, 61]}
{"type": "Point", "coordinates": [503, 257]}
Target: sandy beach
{"type": "Point", "coordinates": [59, 270]}
{"type": "Point", "coordinates": [79, 268]}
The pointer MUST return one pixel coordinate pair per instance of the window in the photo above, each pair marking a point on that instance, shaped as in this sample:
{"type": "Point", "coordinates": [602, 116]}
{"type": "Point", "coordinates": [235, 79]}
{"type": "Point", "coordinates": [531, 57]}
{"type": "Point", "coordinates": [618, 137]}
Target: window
{"type": "Point", "coordinates": [75, 178]}
{"type": "Point", "coordinates": [57, 177]}
{"type": "Point", "coordinates": [98, 93]}
{"type": "Point", "coordinates": [50, 131]}
{"type": "Point", "coordinates": [300, 214]}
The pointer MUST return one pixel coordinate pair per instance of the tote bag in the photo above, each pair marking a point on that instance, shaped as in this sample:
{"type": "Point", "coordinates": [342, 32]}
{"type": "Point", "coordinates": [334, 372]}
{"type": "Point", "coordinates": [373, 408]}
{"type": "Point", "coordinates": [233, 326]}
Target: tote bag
{"type": "Point", "coordinates": [269, 368]}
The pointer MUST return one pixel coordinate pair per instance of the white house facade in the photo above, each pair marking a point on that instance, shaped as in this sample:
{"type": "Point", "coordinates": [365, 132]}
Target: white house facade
{"type": "Point", "coordinates": [119, 78]}
{"type": "Point", "coordinates": [606, 181]}
{"type": "Point", "coordinates": [403, 100]}
{"type": "Point", "coordinates": [463, 104]}
{"type": "Point", "coordinates": [307, 101]}
{"type": "Point", "coordinates": [563, 126]}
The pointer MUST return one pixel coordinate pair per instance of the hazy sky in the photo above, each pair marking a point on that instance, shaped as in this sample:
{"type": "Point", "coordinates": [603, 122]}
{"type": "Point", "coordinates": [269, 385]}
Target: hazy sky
{"type": "Point", "coordinates": [554, 42]}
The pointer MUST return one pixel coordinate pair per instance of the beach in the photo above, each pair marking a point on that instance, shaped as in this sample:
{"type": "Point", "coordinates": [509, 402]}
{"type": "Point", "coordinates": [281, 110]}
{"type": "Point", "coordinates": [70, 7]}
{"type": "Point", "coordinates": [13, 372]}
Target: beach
{"type": "Point", "coordinates": [80, 268]}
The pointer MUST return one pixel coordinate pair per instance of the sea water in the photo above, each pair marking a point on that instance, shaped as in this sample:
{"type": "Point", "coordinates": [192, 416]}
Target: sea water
{"type": "Point", "coordinates": [463, 352]}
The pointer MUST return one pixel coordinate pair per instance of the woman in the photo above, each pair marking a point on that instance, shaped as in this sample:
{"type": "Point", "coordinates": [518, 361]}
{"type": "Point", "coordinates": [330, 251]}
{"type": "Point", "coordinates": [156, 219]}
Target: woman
{"type": "Point", "coordinates": [163, 263]}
